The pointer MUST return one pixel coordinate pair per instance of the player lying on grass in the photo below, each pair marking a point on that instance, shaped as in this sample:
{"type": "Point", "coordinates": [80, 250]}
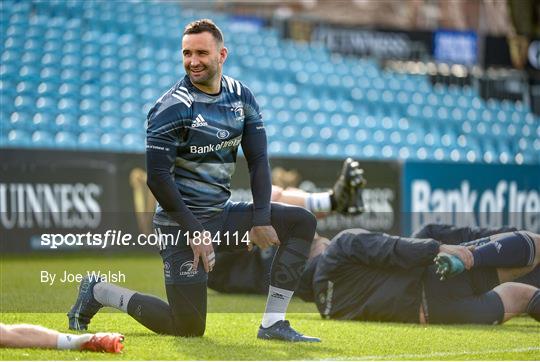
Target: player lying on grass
{"type": "Point", "coordinates": [32, 336]}
{"type": "Point", "coordinates": [375, 276]}
{"type": "Point", "coordinates": [366, 275]}
{"type": "Point", "coordinates": [192, 138]}
{"type": "Point", "coordinates": [240, 271]}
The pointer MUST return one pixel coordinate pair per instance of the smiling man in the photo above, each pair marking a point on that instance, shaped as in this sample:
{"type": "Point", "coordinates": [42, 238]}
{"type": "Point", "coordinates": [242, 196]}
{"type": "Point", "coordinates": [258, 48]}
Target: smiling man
{"type": "Point", "coordinates": [193, 134]}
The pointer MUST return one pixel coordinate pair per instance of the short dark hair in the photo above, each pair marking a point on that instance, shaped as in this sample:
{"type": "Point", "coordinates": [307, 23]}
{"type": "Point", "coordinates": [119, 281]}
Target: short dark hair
{"type": "Point", "coordinates": [202, 25]}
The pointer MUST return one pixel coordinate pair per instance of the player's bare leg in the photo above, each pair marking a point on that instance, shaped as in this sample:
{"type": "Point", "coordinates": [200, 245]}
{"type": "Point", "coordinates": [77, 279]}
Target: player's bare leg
{"type": "Point", "coordinates": [32, 336]}
{"type": "Point", "coordinates": [345, 196]}
{"type": "Point", "coordinates": [517, 299]}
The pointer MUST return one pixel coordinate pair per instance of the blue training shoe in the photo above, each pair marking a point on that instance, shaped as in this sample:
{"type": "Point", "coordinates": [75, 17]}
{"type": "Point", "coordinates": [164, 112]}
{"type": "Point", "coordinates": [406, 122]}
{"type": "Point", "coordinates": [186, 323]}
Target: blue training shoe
{"type": "Point", "coordinates": [448, 265]}
{"type": "Point", "coordinates": [86, 306]}
{"type": "Point", "coordinates": [283, 331]}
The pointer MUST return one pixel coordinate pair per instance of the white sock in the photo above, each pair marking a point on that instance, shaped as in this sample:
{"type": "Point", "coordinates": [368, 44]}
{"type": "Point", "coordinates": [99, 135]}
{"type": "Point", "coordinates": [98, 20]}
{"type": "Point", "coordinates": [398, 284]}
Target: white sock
{"type": "Point", "coordinates": [72, 341]}
{"type": "Point", "coordinates": [111, 295]}
{"type": "Point", "coordinates": [276, 306]}
{"type": "Point", "coordinates": [319, 202]}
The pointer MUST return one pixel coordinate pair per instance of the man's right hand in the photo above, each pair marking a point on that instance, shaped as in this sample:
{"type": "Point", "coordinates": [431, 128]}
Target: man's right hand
{"type": "Point", "coordinates": [462, 252]}
{"type": "Point", "coordinates": [202, 249]}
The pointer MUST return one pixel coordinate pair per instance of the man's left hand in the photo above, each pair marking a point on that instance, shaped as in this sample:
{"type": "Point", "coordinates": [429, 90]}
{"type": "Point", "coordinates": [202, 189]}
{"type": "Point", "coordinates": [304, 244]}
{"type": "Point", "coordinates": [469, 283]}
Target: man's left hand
{"type": "Point", "coordinates": [263, 237]}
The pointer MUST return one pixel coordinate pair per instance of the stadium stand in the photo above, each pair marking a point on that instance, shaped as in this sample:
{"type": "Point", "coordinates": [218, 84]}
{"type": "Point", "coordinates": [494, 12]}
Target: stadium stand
{"type": "Point", "coordinates": [82, 75]}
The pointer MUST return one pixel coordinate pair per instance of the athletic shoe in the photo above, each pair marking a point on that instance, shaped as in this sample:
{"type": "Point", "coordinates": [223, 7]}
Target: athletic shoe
{"type": "Point", "coordinates": [104, 342]}
{"type": "Point", "coordinates": [346, 195]}
{"type": "Point", "coordinates": [448, 265]}
{"type": "Point", "coordinates": [283, 331]}
{"type": "Point", "coordinates": [86, 306]}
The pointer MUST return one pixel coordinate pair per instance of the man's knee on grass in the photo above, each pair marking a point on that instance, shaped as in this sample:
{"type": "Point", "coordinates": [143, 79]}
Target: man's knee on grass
{"type": "Point", "coordinates": [188, 308]}
{"type": "Point", "coordinates": [190, 327]}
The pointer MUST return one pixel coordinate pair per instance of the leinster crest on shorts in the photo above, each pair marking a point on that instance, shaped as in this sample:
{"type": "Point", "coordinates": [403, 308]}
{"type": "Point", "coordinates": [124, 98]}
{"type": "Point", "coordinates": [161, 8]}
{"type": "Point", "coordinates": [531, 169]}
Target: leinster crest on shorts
{"type": "Point", "coordinates": [186, 269]}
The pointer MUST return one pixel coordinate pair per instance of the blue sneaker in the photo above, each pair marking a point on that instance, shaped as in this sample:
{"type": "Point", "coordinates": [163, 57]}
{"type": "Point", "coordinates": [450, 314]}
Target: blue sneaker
{"type": "Point", "coordinates": [85, 307]}
{"type": "Point", "coordinates": [283, 331]}
{"type": "Point", "coordinates": [448, 265]}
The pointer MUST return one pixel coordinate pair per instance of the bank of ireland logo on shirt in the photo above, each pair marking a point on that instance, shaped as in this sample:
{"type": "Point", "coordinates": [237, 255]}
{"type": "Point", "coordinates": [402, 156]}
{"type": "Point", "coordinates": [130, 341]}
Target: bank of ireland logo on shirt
{"type": "Point", "coordinates": [222, 134]}
{"type": "Point", "coordinates": [199, 122]}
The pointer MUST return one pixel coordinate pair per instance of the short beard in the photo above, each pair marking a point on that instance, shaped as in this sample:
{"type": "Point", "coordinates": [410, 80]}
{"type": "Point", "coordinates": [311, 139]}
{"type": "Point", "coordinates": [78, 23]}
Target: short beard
{"type": "Point", "coordinates": [207, 80]}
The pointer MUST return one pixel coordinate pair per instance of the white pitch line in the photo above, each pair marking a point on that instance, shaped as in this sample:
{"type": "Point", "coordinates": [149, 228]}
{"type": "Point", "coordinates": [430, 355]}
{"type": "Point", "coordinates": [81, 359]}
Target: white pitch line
{"type": "Point", "coordinates": [439, 354]}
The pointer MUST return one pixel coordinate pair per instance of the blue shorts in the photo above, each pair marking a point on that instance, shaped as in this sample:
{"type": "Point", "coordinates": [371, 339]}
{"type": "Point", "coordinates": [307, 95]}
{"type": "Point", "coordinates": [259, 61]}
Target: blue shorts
{"type": "Point", "coordinates": [231, 227]}
{"type": "Point", "coordinates": [463, 299]}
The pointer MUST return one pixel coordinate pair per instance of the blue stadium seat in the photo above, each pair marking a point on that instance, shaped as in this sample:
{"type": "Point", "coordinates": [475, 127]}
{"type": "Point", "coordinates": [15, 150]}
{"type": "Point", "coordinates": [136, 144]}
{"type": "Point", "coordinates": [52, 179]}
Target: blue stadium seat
{"type": "Point", "coordinates": [67, 89]}
{"type": "Point", "coordinates": [511, 130]}
{"type": "Point", "coordinates": [440, 153]}
{"type": "Point", "coordinates": [88, 123]}
{"type": "Point", "coordinates": [389, 152]}
{"type": "Point", "coordinates": [110, 123]}
{"type": "Point", "coordinates": [19, 121]}
{"type": "Point", "coordinates": [353, 150]}
{"type": "Point", "coordinates": [134, 142]}
{"type": "Point", "coordinates": [89, 140]}
{"type": "Point", "coordinates": [111, 141]}
{"type": "Point", "coordinates": [284, 117]}
{"type": "Point", "coordinates": [42, 139]}
{"type": "Point", "coordinates": [88, 105]}
{"type": "Point", "coordinates": [18, 138]}
{"type": "Point", "coordinates": [132, 109]}
{"type": "Point", "coordinates": [276, 147]}
{"type": "Point", "coordinates": [296, 148]}
{"type": "Point", "coordinates": [31, 72]}
{"type": "Point", "coordinates": [45, 104]}
{"type": "Point", "coordinates": [344, 135]}
{"type": "Point", "coordinates": [290, 133]}
{"type": "Point", "coordinates": [312, 149]}
{"type": "Point", "coordinates": [456, 155]}
{"type": "Point", "coordinates": [421, 154]}
{"type": "Point", "coordinates": [93, 67]}
{"type": "Point", "coordinates": [66, 121]}
{"type": "Point", "coordinates": [43, 121]}
{"type": "Point", "coordinates": [24, 103]}
{"type": "Point", "coordinates": [332, 150]}
{"type": "Point", "coordinates": [109, 106]}
{"type": "Point", "coordinates": [64, 139]}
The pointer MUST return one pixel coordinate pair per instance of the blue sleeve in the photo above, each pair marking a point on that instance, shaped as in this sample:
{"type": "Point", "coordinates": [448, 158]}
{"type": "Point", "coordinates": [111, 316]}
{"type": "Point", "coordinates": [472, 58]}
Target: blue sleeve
{"type": "Point", "coordinates": [255, 149]}
{"type": "Point", "coordinates": [450, 234]}
{"type": "Point", "coordinates": [382, 250]}
{"type": "Point", "coordinates": [161, 143]}
{"type": "Point", "coordinates": [252, 114]}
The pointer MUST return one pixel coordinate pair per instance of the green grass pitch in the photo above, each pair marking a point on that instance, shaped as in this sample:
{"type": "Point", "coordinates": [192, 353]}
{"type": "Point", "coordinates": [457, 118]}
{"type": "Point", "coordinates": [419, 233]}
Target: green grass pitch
{"type": "Point", "coordinates": [233, 320]}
